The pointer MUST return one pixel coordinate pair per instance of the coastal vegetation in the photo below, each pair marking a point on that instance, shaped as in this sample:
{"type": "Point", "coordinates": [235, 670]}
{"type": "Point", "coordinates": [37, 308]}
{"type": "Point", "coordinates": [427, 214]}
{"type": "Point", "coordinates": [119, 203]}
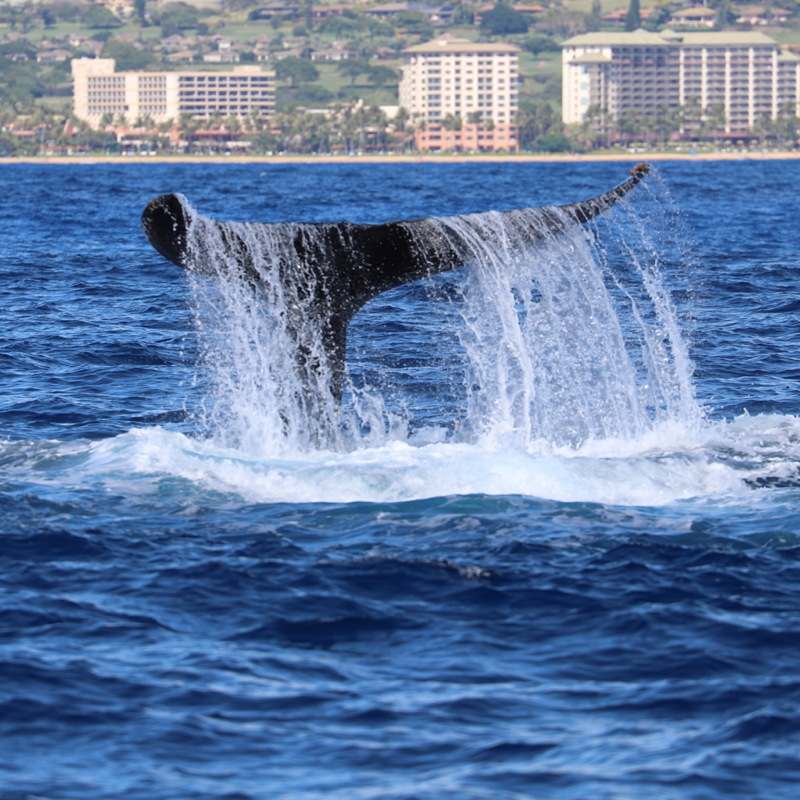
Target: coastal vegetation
{"type": "Point", "coordinates": [337, 73]}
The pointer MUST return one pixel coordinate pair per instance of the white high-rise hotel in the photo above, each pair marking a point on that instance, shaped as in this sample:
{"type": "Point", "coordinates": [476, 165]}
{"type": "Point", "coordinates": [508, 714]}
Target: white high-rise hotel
{"type": "Point", "coordinates": [459, 77]}
{"type": "Point", "coordinates": [747, 73]}
{"type": "Point", "coordinates": [98, 90]}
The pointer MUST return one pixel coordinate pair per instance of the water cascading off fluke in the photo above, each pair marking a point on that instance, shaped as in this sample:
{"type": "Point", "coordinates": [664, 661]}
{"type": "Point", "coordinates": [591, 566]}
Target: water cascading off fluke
{"type": "Point", "coordinates": [547, 358]}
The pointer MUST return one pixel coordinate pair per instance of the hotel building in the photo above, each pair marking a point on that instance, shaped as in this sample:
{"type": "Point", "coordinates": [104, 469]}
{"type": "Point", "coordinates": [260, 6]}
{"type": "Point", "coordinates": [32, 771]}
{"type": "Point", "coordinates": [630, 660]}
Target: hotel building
{"type": "Point", "coordinates": [477, 138]}
{"type": "Point", "coordinates": [459, 77]}
{"type": "Point", "coordinates": [162, 96]}
{"type": "Point", "coordinates": [746, 73]}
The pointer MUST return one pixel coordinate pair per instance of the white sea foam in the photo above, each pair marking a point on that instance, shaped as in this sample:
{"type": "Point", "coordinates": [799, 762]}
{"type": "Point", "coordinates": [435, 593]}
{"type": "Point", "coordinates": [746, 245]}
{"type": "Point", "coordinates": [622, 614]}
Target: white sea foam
{"type": "Point", "coordinates": [666, 465]}
{"type": "Point", "coordinates": [661, 468]}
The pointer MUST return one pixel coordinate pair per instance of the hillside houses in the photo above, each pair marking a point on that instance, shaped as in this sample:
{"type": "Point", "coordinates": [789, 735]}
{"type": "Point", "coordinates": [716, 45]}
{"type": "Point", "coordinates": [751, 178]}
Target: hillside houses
{"type": "Point", "coordinates": [384, 41]}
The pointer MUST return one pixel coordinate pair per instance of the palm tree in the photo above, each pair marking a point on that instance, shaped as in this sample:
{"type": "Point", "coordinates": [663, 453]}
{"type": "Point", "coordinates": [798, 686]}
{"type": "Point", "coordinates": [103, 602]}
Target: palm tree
{"type": "Point", "coordinates": [401, 118]}
{"type": "Point", "coordinates": [646, 126]}
{"type": "Point", "coordinates": [593, 126]}
{"type": "Point", "coordinates": [666, 123]}
{"type": "Point", "coordinates": [763, 127]}
{"type": "Point", "coordinates": [786, 124]}
{"type": "Point", "coordinates": [628, 126]}
{"type": "Point", "coordinates": [145, 122]}
{"type": "Point", "coordinates": [714, 119]}
{"type": "Point", "coordinates": [691, 115]}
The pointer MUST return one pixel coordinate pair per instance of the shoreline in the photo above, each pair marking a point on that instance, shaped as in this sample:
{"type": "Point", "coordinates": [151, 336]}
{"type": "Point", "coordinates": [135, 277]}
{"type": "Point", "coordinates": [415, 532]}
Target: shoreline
{"type": "Point", "coordinates": [404, 159]}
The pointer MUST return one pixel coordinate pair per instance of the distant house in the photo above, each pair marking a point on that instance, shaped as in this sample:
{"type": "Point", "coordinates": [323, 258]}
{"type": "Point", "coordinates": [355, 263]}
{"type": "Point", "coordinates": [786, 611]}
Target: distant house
{"type": "Point", "coordinates": [443, 15]}
{"type": "Point", "coordinates": [217, 40]}
{"type": "Point", "coordinates": [390, 9]}
{"type": "Point", "coordinates": [51, 56]}
{"type": "Point", "coordinates": [175, 42]}
{"type": "Point", "coordinates": [83, 43]}
{"type": "Point", "coordinates": [617, 17]}
{"type": "Point", "coordinates": [93, 46]}
{"type": "Point", "coordinates": [528, 10]}
{"type": "Point", "coordinates": [332, 54]}
{"type": "Point", "coordinates": [261, 48]}
{"type": "Point", "coordinates": [699, 17]}
{"type": "Point", "coordinates": [279, 55]}
{"type": "Point", "coordinates": [275, 9]}
{"type": "Point", "coordinates": [761, 15]}
{"type": "Point", "coordinates": [323, 12]}
{"type": "Point", "coordinates": [385, 52]}
{"type": "Point", "coordinates": [222, 57]}
{"type": "Point", "coordinates": [180, 55]}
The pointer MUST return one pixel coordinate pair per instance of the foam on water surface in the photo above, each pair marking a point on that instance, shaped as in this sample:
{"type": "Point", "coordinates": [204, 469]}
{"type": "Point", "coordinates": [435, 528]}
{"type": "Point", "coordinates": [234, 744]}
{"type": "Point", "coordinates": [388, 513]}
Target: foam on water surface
{"type": "Point", "coordinates": [662, 467]}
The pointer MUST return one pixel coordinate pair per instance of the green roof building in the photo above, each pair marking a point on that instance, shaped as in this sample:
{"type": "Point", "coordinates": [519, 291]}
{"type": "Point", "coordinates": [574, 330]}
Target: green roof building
{"type": "Point", "coordinates": [744, 72]}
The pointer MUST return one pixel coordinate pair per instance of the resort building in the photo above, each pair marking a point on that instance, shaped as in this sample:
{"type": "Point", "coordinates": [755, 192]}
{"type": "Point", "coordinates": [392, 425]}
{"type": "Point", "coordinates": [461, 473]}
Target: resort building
{"type": "Point", "coordinates": [475, 138]}
{"type": "Point", "coordinates": [459, 77]}
{"type": "Point", "coordinates": [746, 73]}
{"type": "Point", "coordinates": [98, 90]}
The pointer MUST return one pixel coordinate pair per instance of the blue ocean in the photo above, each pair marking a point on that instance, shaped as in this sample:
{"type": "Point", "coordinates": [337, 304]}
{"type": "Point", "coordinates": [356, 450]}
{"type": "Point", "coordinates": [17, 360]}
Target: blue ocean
{"type": "Point", "coordinates": [550, 550]}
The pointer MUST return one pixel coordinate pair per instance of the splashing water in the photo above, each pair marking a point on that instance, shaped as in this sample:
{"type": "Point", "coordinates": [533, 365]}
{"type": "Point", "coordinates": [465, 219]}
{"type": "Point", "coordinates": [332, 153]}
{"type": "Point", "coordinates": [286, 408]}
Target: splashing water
{"type": "Point", "coordinates": [566, 342]}
{"type": "Point", "coordinates": [271, 384]}
{"type": "Point", "coordinates": [560, 350]}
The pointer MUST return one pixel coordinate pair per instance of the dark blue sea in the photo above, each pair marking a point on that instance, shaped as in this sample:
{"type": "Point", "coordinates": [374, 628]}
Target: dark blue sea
{"type": "Point", "coordinates": [553, 553]}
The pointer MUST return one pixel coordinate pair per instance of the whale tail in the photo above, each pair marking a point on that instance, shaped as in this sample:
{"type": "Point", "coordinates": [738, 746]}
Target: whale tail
{"type": "Point", "coordinates": [328, 271]}
{"type": "Point", "coordinates": [166, 219]}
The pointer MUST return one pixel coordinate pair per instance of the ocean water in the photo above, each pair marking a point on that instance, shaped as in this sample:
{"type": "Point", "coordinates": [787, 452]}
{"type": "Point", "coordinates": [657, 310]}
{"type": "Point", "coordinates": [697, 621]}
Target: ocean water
{"type": "Point", "coordinates": [552, 550]}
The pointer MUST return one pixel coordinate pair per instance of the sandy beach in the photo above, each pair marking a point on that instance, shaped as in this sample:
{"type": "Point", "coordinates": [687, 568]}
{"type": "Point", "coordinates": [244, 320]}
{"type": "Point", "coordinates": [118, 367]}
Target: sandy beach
{"type": "Point", "coordinates": [406, 159]}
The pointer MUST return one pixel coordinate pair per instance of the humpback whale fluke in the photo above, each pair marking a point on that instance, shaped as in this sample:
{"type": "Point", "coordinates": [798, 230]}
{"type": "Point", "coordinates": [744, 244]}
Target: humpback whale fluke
{"type": "Point", "coordinates": [327, 271]}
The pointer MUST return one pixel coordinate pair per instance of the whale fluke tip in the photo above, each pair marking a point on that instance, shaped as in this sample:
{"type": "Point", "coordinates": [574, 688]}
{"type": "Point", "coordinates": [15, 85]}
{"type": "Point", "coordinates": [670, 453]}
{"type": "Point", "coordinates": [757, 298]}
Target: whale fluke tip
{"type": "Point", "coordinates": [588, 209]}
{"type": "Point", "coordinates": [164, 223]}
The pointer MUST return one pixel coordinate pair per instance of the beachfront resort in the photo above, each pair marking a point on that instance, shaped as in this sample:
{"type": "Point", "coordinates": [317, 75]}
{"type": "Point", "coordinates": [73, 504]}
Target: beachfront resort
{"type": "Point", "coordinates": [83, 76]}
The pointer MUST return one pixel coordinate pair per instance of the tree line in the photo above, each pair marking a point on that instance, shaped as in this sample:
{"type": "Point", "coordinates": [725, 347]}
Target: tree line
{"type": "Point", "coordinates": [355, 127]}
{"type": "Point", "coordinates": [599, 129]}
